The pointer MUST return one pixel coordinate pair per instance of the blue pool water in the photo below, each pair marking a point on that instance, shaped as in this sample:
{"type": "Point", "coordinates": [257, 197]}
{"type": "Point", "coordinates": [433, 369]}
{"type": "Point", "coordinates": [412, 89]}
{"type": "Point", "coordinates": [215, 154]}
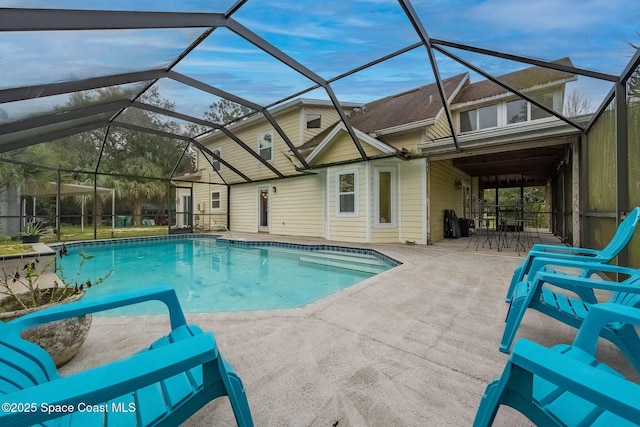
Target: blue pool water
{"type": "Point", "coordinates": [210, 275]}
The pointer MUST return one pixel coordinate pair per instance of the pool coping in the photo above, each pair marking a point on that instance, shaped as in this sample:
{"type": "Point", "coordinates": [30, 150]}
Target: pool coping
{"type": "Point", "coordinates": [39, 250]}
{"type": "Point", "coordinates": [239, 243]}
{"type": "Point", "coordinates": [242, 242]}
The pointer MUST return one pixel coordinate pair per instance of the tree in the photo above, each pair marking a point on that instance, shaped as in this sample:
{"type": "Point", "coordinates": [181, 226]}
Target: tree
{"type": "Point", "coordinates": [137, 155]}
{"type": "Point", "coordinates": [225, 111]}
{"type": "Point", "coordinates": [221, 112]}
{"type": "Point", "coordinates": [24, 166]}
{"type": "Point", "coordinates": [141, 156]}
{"type": "Point", "coordinates": [634, 80]}
{"type": "Point", "coordinates": [577, 104]}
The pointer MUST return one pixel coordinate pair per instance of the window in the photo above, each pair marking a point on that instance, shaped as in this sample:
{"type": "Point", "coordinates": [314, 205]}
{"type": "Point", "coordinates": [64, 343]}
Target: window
{"type": "Point", "coordinates": [215, 163]}
{"type": "Point", "coordinates": [384, 184]}
{"type": "Point", "coordinates": [265, 145]}
{"type": "Point", "coordinates": [468, 121]}
{"type": "Point", "coordinates": [506, 113]}
{"type": "Point", "coordinates": [517, 111]}
{"type": "Point", "coordinates": [545, 99]}
{"type": "Point", "coordinates": [313, 121]}
{"type": "Point", "coordinates": [488, 117]}
{"type": "Point", "coordinates": [482, 118]}
{"type": "Point", "coordinates": [216, 204]}
{"type": "Point", "coordinates": [347, 204]}
{"type": "Point", "coordinates": [521, 110]}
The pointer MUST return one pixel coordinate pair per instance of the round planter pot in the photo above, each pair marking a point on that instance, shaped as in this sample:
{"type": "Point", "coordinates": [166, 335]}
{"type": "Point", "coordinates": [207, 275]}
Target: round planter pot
{"type": "Point", "coordinates": [30, 239]}
{"type": "Point", "coordinates": [61, 339]}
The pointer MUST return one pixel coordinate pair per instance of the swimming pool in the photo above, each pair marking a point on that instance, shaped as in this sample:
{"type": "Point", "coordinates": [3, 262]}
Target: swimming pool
{"type": "Point", "coordinates": [211, 275]}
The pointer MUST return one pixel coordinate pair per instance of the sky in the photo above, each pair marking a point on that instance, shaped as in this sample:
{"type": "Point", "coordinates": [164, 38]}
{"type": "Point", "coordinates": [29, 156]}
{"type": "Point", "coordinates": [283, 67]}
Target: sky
{"type": "Point", "coordinates": [328, 37]}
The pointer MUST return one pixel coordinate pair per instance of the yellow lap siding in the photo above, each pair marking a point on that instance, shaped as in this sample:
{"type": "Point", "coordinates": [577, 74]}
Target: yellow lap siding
{"type": "Point", "coordinates": [208, 217]}
{"type": "Point", "coordinates": [297, 206]}
{"type": "Point", "coordinates": [343, 149]}
{"type": "Point", "coordinates": [412, 201]}
{"type": "Point", "coordinates": [244, 208]}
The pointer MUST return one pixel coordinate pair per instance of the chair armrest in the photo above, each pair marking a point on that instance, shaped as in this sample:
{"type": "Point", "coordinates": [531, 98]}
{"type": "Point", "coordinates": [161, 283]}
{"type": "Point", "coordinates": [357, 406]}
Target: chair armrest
{"type": "Point", "coordinates": [103, 383]}
{"type": "Point", "coordinates": [539, 264]}
{"type": "Point", "coordinates": [608, 391]}
{"type": "Point", "coordinates": [164, 294]}
{"type": "Point", "coordinates": [554, 249]}
{"type": "Point", "coordinates": [570, 282]}
{"type": "Point", "coordinates": [563, 255]}
{"type": "Point", "coordinates": [600, 315]}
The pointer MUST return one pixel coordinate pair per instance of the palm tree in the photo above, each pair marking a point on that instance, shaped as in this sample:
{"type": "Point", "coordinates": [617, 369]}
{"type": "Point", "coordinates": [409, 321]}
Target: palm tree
{"type": "Point", "coordinates": [31, 166]}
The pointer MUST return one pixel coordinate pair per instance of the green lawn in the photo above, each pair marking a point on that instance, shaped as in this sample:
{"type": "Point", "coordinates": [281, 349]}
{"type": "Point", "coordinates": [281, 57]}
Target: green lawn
{"type": "Point", "coordinates": [74, 232]}
{"type": "Point", "coordinates": [9, 247]}
{"type": "Point", "coordinates": [70, 233]}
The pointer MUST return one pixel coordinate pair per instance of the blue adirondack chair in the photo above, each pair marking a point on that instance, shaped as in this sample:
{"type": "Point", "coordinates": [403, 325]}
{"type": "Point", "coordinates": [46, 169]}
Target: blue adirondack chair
{"type": "Point", "coordinates": [566, 385]}
{"type": "Point", "coordinates": [618, 242]}
{"type": "Point", "coordinates": [571, 310]}
{"type": "Point", "coordinates": [162, 385]}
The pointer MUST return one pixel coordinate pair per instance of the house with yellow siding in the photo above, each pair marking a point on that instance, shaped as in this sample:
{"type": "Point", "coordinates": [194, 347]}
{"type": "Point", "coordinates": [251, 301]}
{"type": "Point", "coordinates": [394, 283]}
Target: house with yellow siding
{"type": "Point", "coordinates": [378, 176]}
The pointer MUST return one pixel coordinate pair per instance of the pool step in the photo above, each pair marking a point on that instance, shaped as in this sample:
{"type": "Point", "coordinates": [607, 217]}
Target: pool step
{"type": "Point", "coordinates": [353, 257]}
{"type": "Point", "coordinates": [357, 262]}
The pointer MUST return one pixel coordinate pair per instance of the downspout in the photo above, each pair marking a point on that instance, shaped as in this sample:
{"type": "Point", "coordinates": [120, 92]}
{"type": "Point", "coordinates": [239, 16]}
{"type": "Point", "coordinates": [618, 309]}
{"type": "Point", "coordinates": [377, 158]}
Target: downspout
{"type": "Point", "coordinates": [57, 207]}
{"type": "Point", "coordinates": [228, 207]}
{"type": "Point", "coordinates": [368, 202]}
{"type": "Point", "coordinates": [425, 203]}
{"type": "Point", "coordinates": [95, 204]}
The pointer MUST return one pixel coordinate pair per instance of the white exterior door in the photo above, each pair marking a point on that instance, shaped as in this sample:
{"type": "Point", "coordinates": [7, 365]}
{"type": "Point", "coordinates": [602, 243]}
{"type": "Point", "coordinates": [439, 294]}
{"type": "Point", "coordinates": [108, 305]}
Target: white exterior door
{"type": "Point", "coordinates": [263, 209]}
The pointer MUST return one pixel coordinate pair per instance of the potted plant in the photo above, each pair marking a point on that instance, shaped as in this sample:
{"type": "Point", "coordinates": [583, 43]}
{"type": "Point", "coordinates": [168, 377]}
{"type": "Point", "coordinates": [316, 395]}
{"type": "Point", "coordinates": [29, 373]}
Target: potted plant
{"type": "Point", "coordinates": [31, 233]}
{"type": "Point", "coordinates": [23, 295]}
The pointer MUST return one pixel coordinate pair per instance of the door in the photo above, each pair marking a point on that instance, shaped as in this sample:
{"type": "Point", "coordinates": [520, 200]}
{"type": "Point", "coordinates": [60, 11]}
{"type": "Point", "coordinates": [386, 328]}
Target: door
{"type": "Point", "coordinates": [263, 209]}
{"type": "Point", "coordinates": [186, 212]}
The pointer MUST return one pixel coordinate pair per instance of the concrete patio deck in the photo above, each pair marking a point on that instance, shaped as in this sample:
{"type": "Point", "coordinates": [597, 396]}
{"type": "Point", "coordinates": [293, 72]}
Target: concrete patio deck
{"type": "Point", "coordinates": [413, 346]}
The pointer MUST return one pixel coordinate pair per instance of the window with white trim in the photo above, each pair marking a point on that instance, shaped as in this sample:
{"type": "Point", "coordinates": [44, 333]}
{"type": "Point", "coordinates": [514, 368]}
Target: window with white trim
{"type": "Point", "coordinates": [216, 200]}
{"type": "Point", "coordinates": [215, 163]}
{"type": "Point", "coordinates": [546, 99]}
{"type": "Point", "coordinates": [347, 193]}
{"type": "Point", "coordinates": [385, 193]}
{"type": "Point", "coordinates": [523, 111]}
{"type": "Point", "coordinates": [506, 113]}
{"type": "Point", "coordinates": [265, 145]}
{"type": "Point", "coordinates": [481, 118]}
{"type": "Point", "coordinates": [517, 111]}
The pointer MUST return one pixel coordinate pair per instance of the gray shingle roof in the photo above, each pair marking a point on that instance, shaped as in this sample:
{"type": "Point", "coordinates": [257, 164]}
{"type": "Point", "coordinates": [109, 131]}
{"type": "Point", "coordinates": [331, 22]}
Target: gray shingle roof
{"type": "Point", "coordinates": [415, 105]}
{"type": "Point", "coordinates": [522, 79]}
{"type": "Point", "coordinates": [424, 102]}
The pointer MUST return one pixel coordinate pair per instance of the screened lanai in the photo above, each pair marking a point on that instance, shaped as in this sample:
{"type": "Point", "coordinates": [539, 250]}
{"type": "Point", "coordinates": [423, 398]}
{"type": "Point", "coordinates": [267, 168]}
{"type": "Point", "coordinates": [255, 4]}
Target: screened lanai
{"type": "Point", "coordinates": [115, 93]}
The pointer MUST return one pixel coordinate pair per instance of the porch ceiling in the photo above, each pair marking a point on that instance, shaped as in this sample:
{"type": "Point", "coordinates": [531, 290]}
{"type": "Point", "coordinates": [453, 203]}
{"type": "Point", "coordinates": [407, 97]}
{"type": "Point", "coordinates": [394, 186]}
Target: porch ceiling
{"type": "Point", "coordinates": [529, 167]}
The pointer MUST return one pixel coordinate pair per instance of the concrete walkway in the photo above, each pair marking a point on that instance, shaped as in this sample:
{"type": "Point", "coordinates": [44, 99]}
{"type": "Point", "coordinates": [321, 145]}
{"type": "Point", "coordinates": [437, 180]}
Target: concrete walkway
{"type": "Point", "coordinates": [413, 346]}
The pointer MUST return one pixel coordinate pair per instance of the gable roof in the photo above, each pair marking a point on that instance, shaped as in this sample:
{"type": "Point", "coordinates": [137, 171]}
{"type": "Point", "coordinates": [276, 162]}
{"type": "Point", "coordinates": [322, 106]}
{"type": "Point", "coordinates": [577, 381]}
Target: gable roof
{"type": "Point", "coordinates": [523, 79]}
{"type": "Point", "coordinates": [330, 134]}
{"type": "Point", "coordinates": [415, 105]}
{"type": "Point", "coordinates": [312, 143]}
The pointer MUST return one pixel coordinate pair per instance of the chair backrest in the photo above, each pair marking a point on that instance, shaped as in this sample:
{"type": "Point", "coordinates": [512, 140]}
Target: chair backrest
{"type": "Point", "coordinates": [23, 365]}
{"type": "Point", "coordinates": [627, 298]}
{"type": "Point", "coordinates": [621, 238]}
